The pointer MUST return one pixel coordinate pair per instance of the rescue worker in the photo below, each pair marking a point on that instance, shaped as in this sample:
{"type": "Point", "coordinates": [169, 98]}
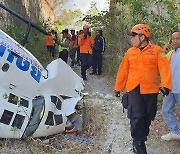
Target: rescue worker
{"type": "Point", "coordinates": [98, 50]}
{"type": "Point", "coordinates": [69, 35]}
{"type": "Point", "coordinates": [174, 97]}
{"type": "Point", "coordinates": [63, 46]}
{"type": "Point", "coordinates": [78, 49]}
{"type": "Point", "coordinates": [50, 43]}
{"type": "Point", "coordinates": [73, 48]}
{"type": "Point", "coordinates": [85, 41]}
{"type": "Point", "coordinates": [139, 73]}
{"type": "Point", "coordinates": [78, 59]}
{"type": "Point", "coordinates": [54, 36]}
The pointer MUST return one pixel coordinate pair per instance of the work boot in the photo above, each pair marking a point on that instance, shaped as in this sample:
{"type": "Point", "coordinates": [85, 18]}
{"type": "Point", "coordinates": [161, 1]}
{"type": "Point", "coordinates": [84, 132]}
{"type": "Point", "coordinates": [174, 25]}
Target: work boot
{"type": "Point", "coordinates": [99, 72]}
{"type": "Point", "coordinates": [84, 78]}
{"type": "Point", "coordinates": [78, 64]}
{"type": "Point", "coordinates": [72, 64]}
{"type": "Point", "coordinates": [139, 148]}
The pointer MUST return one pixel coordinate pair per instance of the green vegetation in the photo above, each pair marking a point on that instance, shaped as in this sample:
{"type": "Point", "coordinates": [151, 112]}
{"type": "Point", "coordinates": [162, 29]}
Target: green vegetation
{"type": "Point", "coordinates": [161, 15]}
{"type": "Point", "coordinates": [68, 19]}
{"type": "Point", "coordinates": [36, 42]}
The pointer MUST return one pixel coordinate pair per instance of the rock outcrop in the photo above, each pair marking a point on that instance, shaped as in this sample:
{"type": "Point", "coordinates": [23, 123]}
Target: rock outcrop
{"type": "Point", "coordinates": [33, 10]}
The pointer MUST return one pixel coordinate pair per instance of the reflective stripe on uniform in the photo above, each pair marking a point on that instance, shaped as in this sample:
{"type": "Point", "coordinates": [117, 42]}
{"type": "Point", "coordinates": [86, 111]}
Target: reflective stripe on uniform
{"type": "Point", "coordinates": [60, 48]}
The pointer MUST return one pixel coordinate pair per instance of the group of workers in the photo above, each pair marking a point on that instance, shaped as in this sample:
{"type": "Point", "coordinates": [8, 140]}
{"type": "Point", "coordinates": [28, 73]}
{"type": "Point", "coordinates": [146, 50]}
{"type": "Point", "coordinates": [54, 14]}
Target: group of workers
{"type": "Point", "coordinates": [138, 72]}
{"type": "Point", "coordinates": [82, 48]}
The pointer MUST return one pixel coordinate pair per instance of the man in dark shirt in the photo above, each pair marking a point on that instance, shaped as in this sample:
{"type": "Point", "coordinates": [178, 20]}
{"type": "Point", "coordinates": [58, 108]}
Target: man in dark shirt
{"type": "Point", "coordinates": [98, 50]}
{"type": "Point", "coordinates": [73, 47]}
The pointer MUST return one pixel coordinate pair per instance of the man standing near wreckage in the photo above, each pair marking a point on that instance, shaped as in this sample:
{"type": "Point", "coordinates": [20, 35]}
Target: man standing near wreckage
{"type": "Point", "coordinates": [170, 101]}
{"type": "Point", "coordinates": [139, 73]}
{"type": "Point", "coordinates": [85, 41]}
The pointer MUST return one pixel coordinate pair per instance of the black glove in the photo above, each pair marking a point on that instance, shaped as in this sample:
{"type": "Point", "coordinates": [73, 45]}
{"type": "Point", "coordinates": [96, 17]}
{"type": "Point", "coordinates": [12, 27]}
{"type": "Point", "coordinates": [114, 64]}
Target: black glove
{"type": "Point", "coordinates": [117, 93]}
{"type": "Point", "coordinates": [85, 36]}
{"type": "Point", "coordinates": [164, 91]}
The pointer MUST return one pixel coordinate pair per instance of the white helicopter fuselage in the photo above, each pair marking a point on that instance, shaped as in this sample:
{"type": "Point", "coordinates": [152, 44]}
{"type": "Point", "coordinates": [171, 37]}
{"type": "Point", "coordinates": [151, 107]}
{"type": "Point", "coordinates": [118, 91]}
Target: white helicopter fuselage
{"type": "Point", "coordinates": [34, 101]}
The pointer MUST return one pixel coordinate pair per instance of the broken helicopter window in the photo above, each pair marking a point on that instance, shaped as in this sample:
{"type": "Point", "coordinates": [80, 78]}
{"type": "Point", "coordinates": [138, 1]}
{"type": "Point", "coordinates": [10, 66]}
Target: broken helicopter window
{"type": "Point", "coordinates": [6, 117]}
{"type": "Point", "coordinates": [13, 99]}
{"type": "Point", "coordinates": [51, 117]}
{"type": "Point", "coordinates": [24, 103]}
{"type": "Point", "coordinates": [18, 121]}
{"type": "Point", "coordinates": [57, 102]}
{"type": "Point", "coordinates": [49, 120]}
{"type": "Point", "coordinates": [58, 119]}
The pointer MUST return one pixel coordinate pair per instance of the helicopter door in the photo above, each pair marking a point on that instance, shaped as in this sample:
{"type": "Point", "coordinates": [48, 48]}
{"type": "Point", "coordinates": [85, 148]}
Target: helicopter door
{"type": "Point", "coordinates": [36, 116]}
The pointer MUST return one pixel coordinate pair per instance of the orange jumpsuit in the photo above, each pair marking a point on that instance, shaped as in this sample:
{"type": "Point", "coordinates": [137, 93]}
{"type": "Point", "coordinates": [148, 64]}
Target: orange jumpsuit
{"type": "Point", "coordinates": [85, 44]}
{"type": "Point", "coordinates": [49, 40]}
{"type": "Point", "coordinates": [142, 68]}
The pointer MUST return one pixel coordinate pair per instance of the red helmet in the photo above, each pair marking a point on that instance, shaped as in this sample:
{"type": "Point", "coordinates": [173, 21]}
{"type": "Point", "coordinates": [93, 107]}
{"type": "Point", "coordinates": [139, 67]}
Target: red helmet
{"type": "Point", "coordinates": [142, 29]}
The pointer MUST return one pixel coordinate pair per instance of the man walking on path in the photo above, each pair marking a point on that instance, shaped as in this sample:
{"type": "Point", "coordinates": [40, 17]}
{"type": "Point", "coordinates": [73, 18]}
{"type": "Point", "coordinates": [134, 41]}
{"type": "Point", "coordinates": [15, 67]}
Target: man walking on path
{"type": "Point", "coordinates": [73, 47]}
{"type": "Point", "coordinates": [50, 43]}
{"type": "Point", "coordinates": [139, 73]}
{"type": "Point", "coordinates": [78, 48]}
{"type": "Point", "coordinates": [98, 50]}
{"type": "Point", "coordinates": [85, 41]}
{"type": "Point", "coordinates": [55, 39]}
{"type": "Point", "coordinates": [64, 46]}
{"type": "Point", "coordinates": [174, 97]}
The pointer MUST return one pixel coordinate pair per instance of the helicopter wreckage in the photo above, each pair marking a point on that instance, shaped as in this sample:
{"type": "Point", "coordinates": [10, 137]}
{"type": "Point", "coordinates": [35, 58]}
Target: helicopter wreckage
{"type": "Point", "coordinates": [35, 101]}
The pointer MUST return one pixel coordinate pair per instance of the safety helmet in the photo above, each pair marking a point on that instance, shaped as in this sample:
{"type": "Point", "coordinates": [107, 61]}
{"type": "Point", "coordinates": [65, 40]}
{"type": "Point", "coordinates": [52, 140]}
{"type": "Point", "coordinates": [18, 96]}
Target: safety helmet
{"type": "Point", "coordinates": [141, 29]}
{"type": "Point", "coordinates": [85, 27]}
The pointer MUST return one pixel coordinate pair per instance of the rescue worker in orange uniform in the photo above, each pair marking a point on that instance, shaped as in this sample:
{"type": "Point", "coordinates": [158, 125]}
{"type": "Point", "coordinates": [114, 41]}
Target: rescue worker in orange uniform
{"type": "Point", "coordinates": [138, 72]}
{"type": "Point", "coordinates": [85, 41]}
{"type": "Point", "coordinates": [50, 43]}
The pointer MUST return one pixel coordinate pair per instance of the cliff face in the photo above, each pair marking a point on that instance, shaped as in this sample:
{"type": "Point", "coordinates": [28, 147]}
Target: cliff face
{"type": "Point", "coordinates": [33, 10]}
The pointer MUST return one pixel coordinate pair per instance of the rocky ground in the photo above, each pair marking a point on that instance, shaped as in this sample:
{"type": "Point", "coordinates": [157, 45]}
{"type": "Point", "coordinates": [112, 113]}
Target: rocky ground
{"type": "Point", "coordinates": [105, 125]}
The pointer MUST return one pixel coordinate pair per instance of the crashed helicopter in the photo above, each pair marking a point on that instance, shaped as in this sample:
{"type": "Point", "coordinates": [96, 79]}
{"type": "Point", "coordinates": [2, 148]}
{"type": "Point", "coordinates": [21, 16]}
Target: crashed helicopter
{"type": "Point", "coordinates": [35, 101]}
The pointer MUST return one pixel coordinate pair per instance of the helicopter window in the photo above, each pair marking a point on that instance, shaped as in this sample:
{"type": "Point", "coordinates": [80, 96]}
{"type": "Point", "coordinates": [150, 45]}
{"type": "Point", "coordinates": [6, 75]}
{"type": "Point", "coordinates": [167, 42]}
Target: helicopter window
{"type": "Point", "coordinates": [49, 120]}
{"type": "Point", "coordinates": [6, 117]}
{"type": "Point", "coordinates": [18, 121]}
{"type": "Point", "coordinates": [24, 103]}
{"type": "Point", "coordinates": [58, 119]}
{"type": "Point", "coordinates": [5, 67]}
{"type": "Point", "coordinates": [56, 101]}
{"type": "Point", "coordinates": [13, 99]}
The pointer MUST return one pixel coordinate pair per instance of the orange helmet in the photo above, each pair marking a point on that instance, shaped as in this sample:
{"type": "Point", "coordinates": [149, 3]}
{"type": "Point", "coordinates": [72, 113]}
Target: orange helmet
{"type": "Point", "coordinates": [85, 27]}
{"type": "Point", "coordinates": [142, 29]}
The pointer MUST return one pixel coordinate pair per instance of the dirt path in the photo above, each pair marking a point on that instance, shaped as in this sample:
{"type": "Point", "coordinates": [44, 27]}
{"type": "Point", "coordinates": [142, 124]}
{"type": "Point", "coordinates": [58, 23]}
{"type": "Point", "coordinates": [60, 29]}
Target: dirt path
{"type": "Point", "coordinates": [117, 137]}
{"type": "Point", "coordinates": [118, 140]}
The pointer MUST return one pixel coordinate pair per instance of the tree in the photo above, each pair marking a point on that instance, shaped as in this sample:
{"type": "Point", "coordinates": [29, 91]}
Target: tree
{"type": "Point", "coordinates": [69, 19]}
{"type": "Point", "coordinates": [161, 15]}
